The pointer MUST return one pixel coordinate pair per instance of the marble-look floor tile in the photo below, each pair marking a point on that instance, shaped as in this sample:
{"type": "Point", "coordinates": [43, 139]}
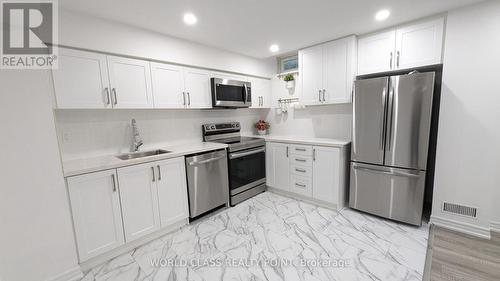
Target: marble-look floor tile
{"type": "Point", "coordinates": [271, 237]}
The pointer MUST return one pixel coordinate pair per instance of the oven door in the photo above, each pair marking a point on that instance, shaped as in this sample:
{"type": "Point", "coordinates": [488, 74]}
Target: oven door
{"type": "Point", "coordinates": [231, 93]}
{"type": "Point", "coordinates": [247, 169]}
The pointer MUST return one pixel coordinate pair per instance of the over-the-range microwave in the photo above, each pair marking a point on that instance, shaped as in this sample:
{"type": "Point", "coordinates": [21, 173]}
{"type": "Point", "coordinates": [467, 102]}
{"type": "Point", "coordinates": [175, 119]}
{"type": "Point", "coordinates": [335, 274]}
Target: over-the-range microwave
{"type": "Point", "coordinates": [231, 93]}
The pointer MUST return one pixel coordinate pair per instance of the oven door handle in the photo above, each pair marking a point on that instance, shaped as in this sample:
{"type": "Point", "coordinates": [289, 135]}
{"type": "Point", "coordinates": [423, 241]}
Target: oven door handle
{"type": "Point", "coordinates": [243, 154]}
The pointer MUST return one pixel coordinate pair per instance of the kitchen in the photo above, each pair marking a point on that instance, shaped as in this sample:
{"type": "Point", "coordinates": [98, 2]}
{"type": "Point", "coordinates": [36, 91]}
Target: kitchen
{"type": "Point", "coordinates": [96, 206]}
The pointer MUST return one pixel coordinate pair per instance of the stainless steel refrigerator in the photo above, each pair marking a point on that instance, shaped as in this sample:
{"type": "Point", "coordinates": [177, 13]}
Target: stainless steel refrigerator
{"type": "Point", "coordinates": [391, 128]}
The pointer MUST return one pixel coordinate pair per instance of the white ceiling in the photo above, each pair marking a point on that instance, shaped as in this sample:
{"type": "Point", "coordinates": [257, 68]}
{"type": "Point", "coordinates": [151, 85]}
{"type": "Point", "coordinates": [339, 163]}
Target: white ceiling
{"type": "Point", "coordinates": [249, 27]}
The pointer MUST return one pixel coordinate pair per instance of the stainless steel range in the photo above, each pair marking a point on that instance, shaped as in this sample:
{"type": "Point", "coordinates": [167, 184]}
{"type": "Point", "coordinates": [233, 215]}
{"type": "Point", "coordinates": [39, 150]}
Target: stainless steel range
{"type": "Point", "coordinates": [246, 159]}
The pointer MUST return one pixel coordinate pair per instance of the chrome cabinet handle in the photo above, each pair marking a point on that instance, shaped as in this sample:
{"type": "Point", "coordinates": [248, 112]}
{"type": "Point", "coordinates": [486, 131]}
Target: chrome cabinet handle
{"type": "Point", "coordinates": [153, 170]}
{"type": "Point", "coordinates": [114, 182]}
{"type": "Point", "coordinates": [324, 91]}
{"type": "Point", "coordinates": [397, 59]}
{"type": "Point", "coordinates": [287, 152]}
{"type": "Point", "coordinates": [300, 170]}
{"type": "Point", "coordinates": [319, 95]}
{"type": "Point", "coordinates": [300, 185]}
{"type": "Point", "coordinates": [314, 154]}
{"type": "Point", "coordinates": [390, 62]}
{"type": "Point", "coordinates": [159, 172]}
{"type": "Point", "coordinates": [184, 98]}
{"type": "Point", "coordinates": [189, 98]}
{"type": "Point", "coordinates": [114, 94]}
{"type": "Point", "coordinates": [108, 97]}
{"type": "Point", "coordinates": [300, 160]}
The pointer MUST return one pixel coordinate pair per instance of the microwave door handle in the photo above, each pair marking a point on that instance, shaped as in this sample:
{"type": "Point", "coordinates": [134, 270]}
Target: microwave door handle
{"type": "Point", "coordinates": [246, 93]}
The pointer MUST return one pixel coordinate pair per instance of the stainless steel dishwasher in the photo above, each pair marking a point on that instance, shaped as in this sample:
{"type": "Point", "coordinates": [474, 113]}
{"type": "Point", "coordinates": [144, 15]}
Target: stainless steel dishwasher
{"type": "Point", "coordinates": [208, 184]}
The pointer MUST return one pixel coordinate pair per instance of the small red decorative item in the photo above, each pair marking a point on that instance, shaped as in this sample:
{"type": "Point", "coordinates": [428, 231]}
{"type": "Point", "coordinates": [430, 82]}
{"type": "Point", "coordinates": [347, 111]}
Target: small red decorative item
{"type": "Point", "coordinates": [262, 125]}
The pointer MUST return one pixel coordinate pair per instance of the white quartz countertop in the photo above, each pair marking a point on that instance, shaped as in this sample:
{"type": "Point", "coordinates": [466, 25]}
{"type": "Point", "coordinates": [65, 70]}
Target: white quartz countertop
{"type": "Point", "coordinates": [94, 164]}
{"type": "Point", "coordinates": [305, 140]}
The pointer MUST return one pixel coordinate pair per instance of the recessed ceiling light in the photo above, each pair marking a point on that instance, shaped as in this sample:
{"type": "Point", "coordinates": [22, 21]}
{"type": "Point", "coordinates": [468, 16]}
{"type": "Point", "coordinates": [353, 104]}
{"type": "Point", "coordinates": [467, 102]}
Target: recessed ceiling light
{"type": "Point", "coordinates": [274, 48]}
{"type": "Point", "coordinates": [382, 15]}
{"type": "Point", "coordinates": [190, 18]}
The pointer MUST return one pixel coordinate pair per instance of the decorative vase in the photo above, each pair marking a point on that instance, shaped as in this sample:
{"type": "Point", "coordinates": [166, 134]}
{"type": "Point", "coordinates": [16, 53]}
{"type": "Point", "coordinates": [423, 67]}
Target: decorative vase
{"type": "Point", "coordinates": [290, 84]}
{"type": "Point", "coordinates": [262, 132]}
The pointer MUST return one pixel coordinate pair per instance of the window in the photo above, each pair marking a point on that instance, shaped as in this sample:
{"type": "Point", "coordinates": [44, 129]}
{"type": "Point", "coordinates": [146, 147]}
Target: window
{"type": "Point", "coordinates": [289, 63]}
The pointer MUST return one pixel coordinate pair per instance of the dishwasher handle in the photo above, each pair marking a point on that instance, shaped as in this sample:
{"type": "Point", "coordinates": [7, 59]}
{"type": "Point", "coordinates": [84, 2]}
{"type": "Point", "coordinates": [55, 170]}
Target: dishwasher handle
{"type": "Point", "coordinates": [194, 163]}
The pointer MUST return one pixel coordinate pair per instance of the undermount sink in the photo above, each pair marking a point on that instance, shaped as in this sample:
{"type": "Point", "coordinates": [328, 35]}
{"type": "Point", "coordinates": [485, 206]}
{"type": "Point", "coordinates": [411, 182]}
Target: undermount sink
{"type": "Point", "coordinates": [135, 155]}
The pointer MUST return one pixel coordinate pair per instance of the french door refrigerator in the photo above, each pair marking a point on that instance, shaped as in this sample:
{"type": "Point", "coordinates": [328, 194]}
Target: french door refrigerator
{"type": "Point", "coordinates": [391, 128]}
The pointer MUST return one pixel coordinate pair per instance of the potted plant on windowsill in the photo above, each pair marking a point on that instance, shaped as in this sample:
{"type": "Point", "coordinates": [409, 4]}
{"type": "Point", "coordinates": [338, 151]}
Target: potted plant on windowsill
{"type": "Point", "coordinates": [290, 81]}
{"type": "Point", "coordinates": [262, 127]}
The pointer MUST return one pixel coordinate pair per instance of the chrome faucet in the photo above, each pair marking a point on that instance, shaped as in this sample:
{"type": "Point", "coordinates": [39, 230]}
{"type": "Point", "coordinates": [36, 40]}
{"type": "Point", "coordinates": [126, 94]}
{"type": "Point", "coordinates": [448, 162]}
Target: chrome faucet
{"type": "Point", "coordinates": [137, 141]}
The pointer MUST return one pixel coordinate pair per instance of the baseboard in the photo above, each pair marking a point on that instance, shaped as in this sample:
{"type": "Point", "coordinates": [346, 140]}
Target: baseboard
{"type": "Point", "coordinates": [304, 198]}
{"type": "Point", "coordinates": [71, 275]}
{"type": "Point", "coordinates": [466, 228]}
{"type": "Point", "coordinates": [495, 226]}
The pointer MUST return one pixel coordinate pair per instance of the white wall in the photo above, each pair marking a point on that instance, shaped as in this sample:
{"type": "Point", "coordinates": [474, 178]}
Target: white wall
{"type": "Point", "coordinates": [77, 30]}
{"type": "Point", "coordinates": [327, 121]}
{"type": "Point", "coordinates": [36, 236]}
{"type": "Point", "coordinates": [87, 133]}
{"type": "Point", "coordinates": [468, 152]}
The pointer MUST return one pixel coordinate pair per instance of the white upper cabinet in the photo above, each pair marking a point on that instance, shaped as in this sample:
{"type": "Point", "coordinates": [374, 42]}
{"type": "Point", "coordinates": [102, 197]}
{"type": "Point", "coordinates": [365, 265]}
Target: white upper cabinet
{"type": "Point", "coordinates": [95, 206]}
{"type": "Point", "coordinates": [419, 44]}
{"type": "Point", "coordinates": [172, 191]}
{"type": "Point", "coordinates": [376, 52]}
{"type": "Point", "coordinates": [197, 88]}
{"type": "Point", "coordinates": [327, 72]}
{"type": "Point", "coordinates": [81, 80]}
{"type": "Point", "coordinates": [130, 83]}
{"type": "Point", "coordinates": [311, 73]}
{"type": "Point", "coordinates": [261, 92]}
{"type": "Point", "coordinates": [139, 200]}
{"type": "Point", "coordinates": [168, 85]}
{"type": "Point", "coordinates": [407, 46]}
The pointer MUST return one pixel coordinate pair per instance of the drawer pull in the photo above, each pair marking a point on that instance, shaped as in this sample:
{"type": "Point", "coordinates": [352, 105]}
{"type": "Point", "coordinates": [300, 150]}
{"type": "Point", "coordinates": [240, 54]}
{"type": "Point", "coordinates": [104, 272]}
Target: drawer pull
{"type": "Point", "coordinates": [300, 185]}
{"type": "Point", "coordinates": [300, 160]}
{"type": "Point", "coordinates": [300, 149]}
{"type": "Point", "coordinates": [300, 170]}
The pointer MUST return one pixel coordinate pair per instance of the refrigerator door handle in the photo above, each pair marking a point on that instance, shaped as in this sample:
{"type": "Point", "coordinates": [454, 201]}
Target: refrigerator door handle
{"type": "Point", "coordinates": [385, 172]}
{"type": "Point", "coordinates": [383, 117]}
{"type": "Point", "coordinates": [390, 110]}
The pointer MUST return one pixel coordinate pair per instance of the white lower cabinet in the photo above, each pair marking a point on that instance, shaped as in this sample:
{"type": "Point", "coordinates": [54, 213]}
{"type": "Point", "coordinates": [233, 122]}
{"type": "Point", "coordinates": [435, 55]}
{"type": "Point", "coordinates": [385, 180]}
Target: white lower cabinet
{"type": "Point", "coordinates": [114, 207]}
{"type": "Point", "coordinates": [97, 219]}
{"type": "Point", "coordinates": [315, 172]}
{"type": "Point", "coordinates": [277, 165]}
{"type": "Point", "coordinates": [172, 191]}
{"type": "Point", "coordinates": [139, 199]}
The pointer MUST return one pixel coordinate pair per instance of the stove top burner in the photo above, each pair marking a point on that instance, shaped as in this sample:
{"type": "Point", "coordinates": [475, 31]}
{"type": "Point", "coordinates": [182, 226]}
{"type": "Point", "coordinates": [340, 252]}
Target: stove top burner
{"type": "Point", "coordinates": [229, 133]}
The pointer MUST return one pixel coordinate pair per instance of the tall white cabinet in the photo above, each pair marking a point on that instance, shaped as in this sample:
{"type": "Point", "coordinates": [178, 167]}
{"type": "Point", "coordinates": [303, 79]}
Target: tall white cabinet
{"type": "Point", "coordinates": [314, 172]}
{"type": "Point", "coordinates": [97, 218]}
{"type": "Point", "coordinates": [327, 72]}
{"type": "Point", "coordinates": [408, 46]}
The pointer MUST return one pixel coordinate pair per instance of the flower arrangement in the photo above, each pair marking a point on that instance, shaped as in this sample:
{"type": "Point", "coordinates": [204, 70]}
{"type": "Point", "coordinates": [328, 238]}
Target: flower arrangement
{"type": "Point", "coordinates": [262, 127]}
{"type": "Point", "coordinates": [289, 77]}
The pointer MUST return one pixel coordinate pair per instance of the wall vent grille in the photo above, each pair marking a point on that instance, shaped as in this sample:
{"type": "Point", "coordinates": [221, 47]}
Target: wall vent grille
{"type": "Point", "coordinates": [460, 210]}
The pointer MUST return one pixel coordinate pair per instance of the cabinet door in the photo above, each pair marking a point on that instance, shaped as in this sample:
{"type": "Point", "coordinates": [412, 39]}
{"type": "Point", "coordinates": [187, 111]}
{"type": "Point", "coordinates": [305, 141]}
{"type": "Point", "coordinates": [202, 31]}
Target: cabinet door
{"type": "Point", "coordinates": [277, 166]}
{"type": "Point", "coordinates": [172, 191]}
{"type": "Point", "coordinates": [139, 198]}
{"type": "Point", "coordinates": [376, 52]}
{"type": "Point", "coordinates": [311, 73]}
{"type": "Point", "coordinates": [168, 86]}
{"type": "Point", "coordinates": [419, 44]}
{"type": "Point", "coordinates": [261, 92]}
{"type": "Point", "coordinates": [81, 80]}
{"type": "Point", "coordinates": [130, 83]}
{"type": "Point", "coordinates": [326, 174]}
{"type": "Point", "coordinates": [338, 70]}
{"type": "Point", "coordinates": [197, 87]}
{"type": "Point", "coordinates": [95, 206]}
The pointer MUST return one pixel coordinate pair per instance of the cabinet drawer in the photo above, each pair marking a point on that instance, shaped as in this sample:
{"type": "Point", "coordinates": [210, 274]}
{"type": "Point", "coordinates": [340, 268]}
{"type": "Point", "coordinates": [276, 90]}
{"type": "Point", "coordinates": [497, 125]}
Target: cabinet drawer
{"type": "Point", "coordinates": [301, 171]}
{"type": "Point", "coordinates": [301, 185]}
{"type": "Point", "coordinates": [301, 160]}
{"type": "Point", "coordinates": [303, 150]}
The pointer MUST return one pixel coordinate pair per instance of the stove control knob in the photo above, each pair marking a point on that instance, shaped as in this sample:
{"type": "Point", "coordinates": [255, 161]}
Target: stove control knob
{"type": "Point", "coordinates": [212, 127]}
